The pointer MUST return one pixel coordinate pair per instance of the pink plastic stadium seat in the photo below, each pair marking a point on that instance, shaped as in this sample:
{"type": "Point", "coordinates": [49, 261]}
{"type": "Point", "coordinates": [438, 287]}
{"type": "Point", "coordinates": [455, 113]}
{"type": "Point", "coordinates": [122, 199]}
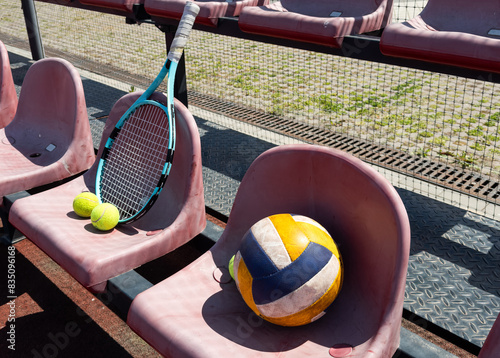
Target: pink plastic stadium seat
{"type": "Point", "coordinates": [8, 96]}
{"type": "Point", "coordinates": [93, 257]}
{"type": "Point", "coordinates": [190, 314]}
{"type": "Point", "coordinates": [49, 138]}
{"type": "Point", "coordinates": [453, 32]}
{"type": "Point", "coordinates": [210, 11]}
{"type": "Point", "coordinates": [324, 22]}
{"type": "Point", "coordinates": [491, 347]}
{"type": "Point", "coordinates": [124, 5]}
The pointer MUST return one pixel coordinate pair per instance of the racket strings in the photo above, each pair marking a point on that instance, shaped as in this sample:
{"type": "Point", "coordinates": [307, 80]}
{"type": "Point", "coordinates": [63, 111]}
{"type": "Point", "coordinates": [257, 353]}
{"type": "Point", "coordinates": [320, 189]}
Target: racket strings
{"type": "Point", "coordinates": [136, 160]}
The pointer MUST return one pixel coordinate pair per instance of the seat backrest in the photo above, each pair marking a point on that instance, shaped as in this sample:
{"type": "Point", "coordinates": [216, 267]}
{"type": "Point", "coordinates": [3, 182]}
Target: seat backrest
{"type": "Point", "coordinates": [51, 123]}
{"type": "Point", "coordinates": [185, 179]}
{"type": "Point", "coordinates": [8, 96]}
{"type": "Point", "coordinates": [473, 17]}
{"type": "Point", "coordinates": [359, 207]}
{"type": "Point", "coordinates": [50, 103]}
{"type": "Point", "coordinates": [491, 347]}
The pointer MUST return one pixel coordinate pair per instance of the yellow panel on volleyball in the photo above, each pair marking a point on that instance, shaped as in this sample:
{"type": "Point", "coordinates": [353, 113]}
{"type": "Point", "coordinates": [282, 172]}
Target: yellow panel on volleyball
{"type": "Point", "coordinates": [291, 234]}
{"type": "Point", "coordinates": [319, 236]}
{"type": "Point", "coordinates": [245, 285]}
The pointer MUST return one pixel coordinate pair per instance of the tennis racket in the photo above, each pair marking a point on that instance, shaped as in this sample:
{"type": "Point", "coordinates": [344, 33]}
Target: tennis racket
{"type": "Point", "coordinates": [138, 154]}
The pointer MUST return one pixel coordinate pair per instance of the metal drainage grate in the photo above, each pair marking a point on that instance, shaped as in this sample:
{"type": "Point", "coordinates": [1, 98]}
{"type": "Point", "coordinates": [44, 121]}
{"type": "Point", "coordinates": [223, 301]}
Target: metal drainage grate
{"type": "Point", "coordinates": [462, 180]}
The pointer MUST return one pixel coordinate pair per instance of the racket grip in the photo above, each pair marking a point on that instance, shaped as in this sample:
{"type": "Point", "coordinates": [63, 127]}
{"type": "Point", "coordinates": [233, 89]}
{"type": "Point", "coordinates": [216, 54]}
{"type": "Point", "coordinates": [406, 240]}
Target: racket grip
{"type": "Point", "coordinates": [191, 10]}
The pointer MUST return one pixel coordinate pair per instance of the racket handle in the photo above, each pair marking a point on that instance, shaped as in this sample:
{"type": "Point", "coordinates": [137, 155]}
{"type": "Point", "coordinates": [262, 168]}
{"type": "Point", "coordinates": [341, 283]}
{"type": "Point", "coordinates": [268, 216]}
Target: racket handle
{"type": "Point", "coordinates": [191, 10]}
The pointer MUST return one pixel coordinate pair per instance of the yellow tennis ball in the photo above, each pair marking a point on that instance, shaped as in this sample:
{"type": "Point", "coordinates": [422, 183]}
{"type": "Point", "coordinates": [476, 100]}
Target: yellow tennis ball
{"type": "Point", "coordinates": [84, 203]}
{"type": "Point", "coordinates": [231, 267]}
{"type": "Point", "coordinates": [105, 216]}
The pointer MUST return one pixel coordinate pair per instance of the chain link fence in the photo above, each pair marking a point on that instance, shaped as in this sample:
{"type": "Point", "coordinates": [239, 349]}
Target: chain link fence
{"type": "Point", "coordinates": [440, 128]}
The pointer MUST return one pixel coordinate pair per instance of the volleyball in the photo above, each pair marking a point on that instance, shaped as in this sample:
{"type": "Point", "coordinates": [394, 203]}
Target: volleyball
{"type": "Point", "coordinates": [288, 269]}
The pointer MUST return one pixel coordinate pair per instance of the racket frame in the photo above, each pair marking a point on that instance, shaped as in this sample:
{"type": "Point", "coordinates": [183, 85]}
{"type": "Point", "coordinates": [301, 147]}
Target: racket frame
{"type": "Point", "coordinates": [169, 69]}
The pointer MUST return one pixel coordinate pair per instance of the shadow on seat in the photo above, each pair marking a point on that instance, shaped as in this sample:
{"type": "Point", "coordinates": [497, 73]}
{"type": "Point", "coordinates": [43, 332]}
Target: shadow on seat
{"type": "Point", "coordinates": [93, 257]}
{"type": "Point", "coordinates": [49, 138]}
{"type": "Point", "coordinates": [491, 347]}
{"type": "Point", "coordinates": [459, 33]}
{"type": "Point", "coordinates": [122, 5]}
{"type": "Point", "coordinates": [128, 8]}
{"type": "Point", "coordinates": [323, 22]}
{"type": "Point", "coordinates": [8, 95]}
{"type": "Point", "coordinates": [210, 11]}
{"type": "Point", "coordinates": [366, 218]}
{"type": "Point", "coordinates": [58, 2]}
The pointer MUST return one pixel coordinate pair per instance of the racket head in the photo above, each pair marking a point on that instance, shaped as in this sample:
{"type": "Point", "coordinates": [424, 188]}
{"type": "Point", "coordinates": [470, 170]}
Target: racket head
{"type": "Point", "coordinates": [136, 159]}
{"type": "Point", "coordinates": [135, 164]}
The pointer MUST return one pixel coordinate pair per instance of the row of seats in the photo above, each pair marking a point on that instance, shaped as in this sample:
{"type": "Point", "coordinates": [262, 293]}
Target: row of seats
{"type": "Point", "coordinates": [197, 312]}
{"type": "Point", "coordinates": [459, 32]}
{"type": "Point", "coordinates": [321, 22]}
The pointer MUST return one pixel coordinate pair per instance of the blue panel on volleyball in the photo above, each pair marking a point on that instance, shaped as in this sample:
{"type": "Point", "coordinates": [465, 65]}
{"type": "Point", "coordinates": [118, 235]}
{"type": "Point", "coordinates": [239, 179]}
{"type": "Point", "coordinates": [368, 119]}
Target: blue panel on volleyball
{"type": "Point", "coordinates": [290, 278]}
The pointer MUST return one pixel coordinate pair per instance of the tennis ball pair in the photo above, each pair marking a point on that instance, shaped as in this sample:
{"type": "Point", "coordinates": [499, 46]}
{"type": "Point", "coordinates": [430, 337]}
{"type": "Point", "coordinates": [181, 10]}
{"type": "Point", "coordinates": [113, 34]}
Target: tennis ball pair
{"type": "Point", "coordinates": [103, 216]}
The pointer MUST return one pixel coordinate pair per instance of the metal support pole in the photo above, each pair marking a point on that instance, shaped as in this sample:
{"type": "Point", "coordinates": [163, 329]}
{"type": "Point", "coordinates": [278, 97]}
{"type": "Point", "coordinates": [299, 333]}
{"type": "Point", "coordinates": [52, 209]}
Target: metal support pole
{"type": "Point", "coordinates": [180, 86]}
{"type": "Point", "coordinates": [33, 30]}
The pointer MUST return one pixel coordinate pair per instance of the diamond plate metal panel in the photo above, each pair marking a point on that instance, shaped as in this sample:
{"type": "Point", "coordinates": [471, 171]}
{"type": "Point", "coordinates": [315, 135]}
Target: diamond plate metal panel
{"type": "Point", "coordinates": [19, 66]}
{"type": "Point", "coordinates": [96, 129]}
{"type": "Point", "coordinates": [227, 151]}
{"type": "Point", "coordinates": [99, 97]}
{"type": "Point", "coordinates": [220, 191]}
{"type": "Point", "coordinates": [226, 156]}
{"type": "Point", "coordinates": [454, 270]}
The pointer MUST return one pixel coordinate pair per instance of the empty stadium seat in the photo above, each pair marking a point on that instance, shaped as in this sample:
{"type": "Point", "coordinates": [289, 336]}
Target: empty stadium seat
{"type": "Point", "coordinates": [491, 347]}
{"type": "Point", "coordinates": [323, 22]}
{"type": "Point", "coordinates": [210, 11]}
{"type": "Point", "coordinates": [198, 312]}
{"type": "Point", "coordinates": [49, 138]}
{"type": "Point", "coordinates": [8, 95]}
{"type": "Point", "coordinates": [459, 33]}
{"type": "Point", "coordinates": [92, 257]}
